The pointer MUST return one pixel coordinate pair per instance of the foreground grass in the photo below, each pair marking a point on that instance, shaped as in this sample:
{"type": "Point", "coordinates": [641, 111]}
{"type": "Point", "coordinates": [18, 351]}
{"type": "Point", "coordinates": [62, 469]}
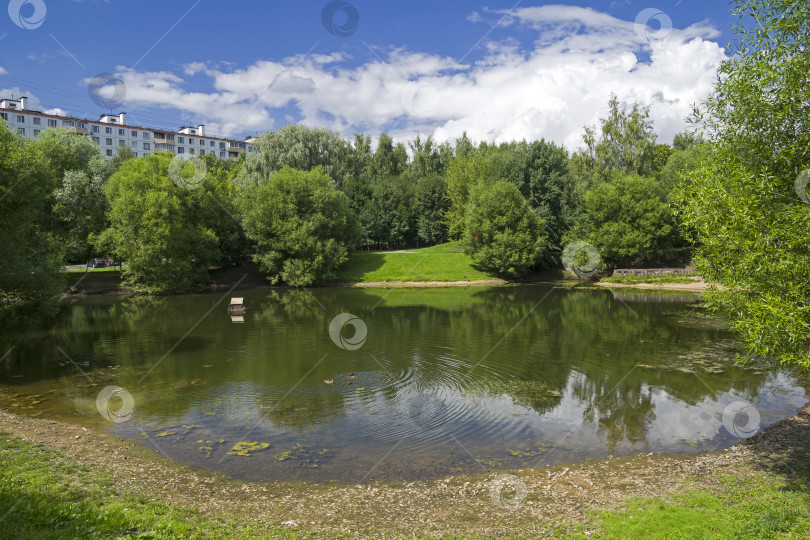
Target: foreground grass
{"type": "Point", "coordinates": [759, 507]}
{"type": "Point", "coordinates": [636, 280]}
{"type": "Point", "coordinates": [445, 262]}
{"type": "Point", "coordinates": [44, 495]}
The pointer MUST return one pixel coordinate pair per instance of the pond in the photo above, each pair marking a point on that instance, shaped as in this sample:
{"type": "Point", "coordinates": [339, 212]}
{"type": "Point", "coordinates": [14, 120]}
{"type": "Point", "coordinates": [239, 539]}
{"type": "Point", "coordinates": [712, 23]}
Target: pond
{"type": "Point", "coordinates": [354, 385]}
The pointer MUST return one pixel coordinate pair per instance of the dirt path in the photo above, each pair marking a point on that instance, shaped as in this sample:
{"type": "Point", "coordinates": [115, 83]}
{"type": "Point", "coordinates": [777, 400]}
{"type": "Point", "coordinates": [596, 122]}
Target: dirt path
{"type": "Point", "coordinates": [697, 286]}
{"type": "Point", "coordinates": [454, 505]}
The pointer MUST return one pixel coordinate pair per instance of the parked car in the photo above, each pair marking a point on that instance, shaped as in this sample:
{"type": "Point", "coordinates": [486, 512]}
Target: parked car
{"type": "Point", "coordinates": [97, 263]}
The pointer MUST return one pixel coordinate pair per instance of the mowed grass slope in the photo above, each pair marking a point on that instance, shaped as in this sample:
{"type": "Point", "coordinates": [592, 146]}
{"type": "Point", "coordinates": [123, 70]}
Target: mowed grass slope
{"type": "Point", "coordinates": [445, 262]}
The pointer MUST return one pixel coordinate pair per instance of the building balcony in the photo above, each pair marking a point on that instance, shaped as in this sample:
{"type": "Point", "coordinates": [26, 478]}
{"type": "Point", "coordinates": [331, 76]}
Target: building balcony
{"type": "Point", "coordinates": [77, 130]}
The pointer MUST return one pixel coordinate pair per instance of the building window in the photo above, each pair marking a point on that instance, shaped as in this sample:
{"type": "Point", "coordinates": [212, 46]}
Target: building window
{"type": "Point", "coordinates": [51, 123]}
{"type": "Point", "coordinates": [134, 145]}
{"type": "Point", "coordinates": [134, 133]}
{"type": "Point", "coordinates": [190, 150]}
{"type": "Point", "coordinates": [21, 131]}
{"type": "Point", "coordinates": [180, 140]}
{"type": "Point", "coordinates": [222, 154]}
{"type": "Point", "coordinates": [36, 132]}
{"type": "Point", "coordinates": [211, 144]}
{"type": "Point", "coordinates": [108, 141]}
{"type": "Point", "coordinates": [146, 135]}
{"type": "Point", "coordinates": [108, 130]}
{"type": "Point", "coordinates": [95, 129]}
{"type": "Point", "coordinates": [170, 137]}
{"type": "Point", "coordinates": [202, 142]}
{"type": "Point", "coordinates": [20, 119]}
{"type": "Point", "coordinates": [4, 116]}
{"type": "Point", "coordinates": [109, 152]}
{"type": "Point", "coordinates": [96, 140]}
{"type": "Point", "coordinates": [37, 121]}
{"type": "Point", "coordinates": [121, 132]}
{"type": "Point", "coordinates": [222, 146]}
{"type": "Point", "coordinates": [190, 140]}
{"type": "Point", "coordinates": [181, 150]}
{"type": "Point", "coordinates": [146, 146]}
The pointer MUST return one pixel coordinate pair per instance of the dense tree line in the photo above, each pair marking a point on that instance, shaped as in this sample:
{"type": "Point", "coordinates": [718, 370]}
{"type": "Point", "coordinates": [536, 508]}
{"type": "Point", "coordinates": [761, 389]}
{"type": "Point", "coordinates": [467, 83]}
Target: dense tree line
{"type": "Point", "coordinates": [306, 197]}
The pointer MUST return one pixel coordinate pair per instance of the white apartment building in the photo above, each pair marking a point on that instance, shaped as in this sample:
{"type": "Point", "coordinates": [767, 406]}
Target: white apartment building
{"type": "Point", "coordinates": [111, 131]}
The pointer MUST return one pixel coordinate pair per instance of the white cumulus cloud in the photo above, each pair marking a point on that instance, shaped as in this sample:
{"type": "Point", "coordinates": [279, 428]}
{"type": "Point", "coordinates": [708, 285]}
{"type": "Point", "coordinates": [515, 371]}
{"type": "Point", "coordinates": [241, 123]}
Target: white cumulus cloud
{"type": "Point", "coordinates": [549, 89]}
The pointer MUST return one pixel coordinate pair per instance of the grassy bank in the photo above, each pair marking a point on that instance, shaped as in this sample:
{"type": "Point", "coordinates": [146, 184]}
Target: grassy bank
{"type": "Point", "coordinates": [445, 262]}
{"type": "Point", "coordinates": [93, 485]}
{"type": "Point", "coordinates": [758, 507]}
{"type": "Point", "coordinates": [44, 494]}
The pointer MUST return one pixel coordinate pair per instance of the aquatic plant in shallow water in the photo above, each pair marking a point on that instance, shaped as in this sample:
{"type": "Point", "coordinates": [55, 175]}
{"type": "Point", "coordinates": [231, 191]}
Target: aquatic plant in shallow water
{"type": "Point", "coordinates": [247, 448]}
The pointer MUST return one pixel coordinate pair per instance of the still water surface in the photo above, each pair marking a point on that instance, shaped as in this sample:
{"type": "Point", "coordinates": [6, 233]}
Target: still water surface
{"type": "Point", "coordinates": [447, 380]}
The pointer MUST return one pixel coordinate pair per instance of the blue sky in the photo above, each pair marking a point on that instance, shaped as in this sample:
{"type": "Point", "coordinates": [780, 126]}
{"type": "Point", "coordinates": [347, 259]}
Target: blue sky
{"type": "Point", "coordinates": [498, 70]}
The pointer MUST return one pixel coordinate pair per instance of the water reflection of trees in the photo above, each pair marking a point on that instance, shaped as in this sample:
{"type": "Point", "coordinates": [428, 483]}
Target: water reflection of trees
{"type": "Point", "coordinates": [436, 339]}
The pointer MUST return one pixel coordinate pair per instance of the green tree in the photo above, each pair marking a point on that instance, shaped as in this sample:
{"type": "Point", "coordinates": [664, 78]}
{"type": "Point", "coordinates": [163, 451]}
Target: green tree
{"type": "Point", "coordinates": [298, 147]}
{"type": "Point", "coordinates": [430, 204]}
{"type": "Point", "coordinates": [747, 205]}
{"type": "Point", "coordinates": [301, 225]}
{"type": "Point", "coordinates": [154, 228]}
{"type": "Point", "coordinates": [625, 142]}
{"type": "Point", "coordinates": [388, 217]}
{"type": "Point", "coordinates": [540, 170]}
{"type": "Point", "coordinates": [77, 173]}
{"type": "Point", "coordinates": [501, 232]}
{"type": "Point", "coordinates": [81, 206]}
{"type": "Point", "coordinates": [464, 173]}
{"type": "Point", "coordinates": [62, 151]}
{"type": "Point", "coordinates": [686, 141]}
{"type": "Point", "coordinates": [30, 259]}
{"type": "Point", "coordinates": [628, 222]}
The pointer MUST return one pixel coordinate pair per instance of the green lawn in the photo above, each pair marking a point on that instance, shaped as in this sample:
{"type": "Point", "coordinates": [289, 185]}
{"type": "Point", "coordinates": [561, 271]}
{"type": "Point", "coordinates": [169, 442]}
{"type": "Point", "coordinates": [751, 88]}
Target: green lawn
{"type": "Point", "coordinates": [445, 262]}
{"type": "Point", "coordinates": [761, 507]}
